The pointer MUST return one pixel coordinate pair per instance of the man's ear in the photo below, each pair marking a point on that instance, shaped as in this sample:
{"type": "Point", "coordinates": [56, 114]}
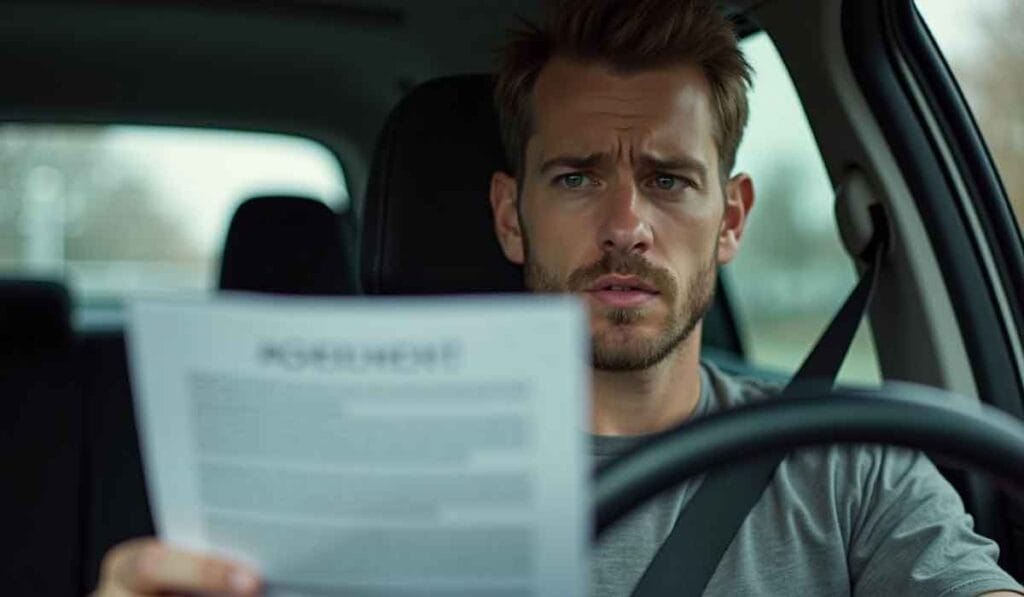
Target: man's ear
{"type": "Point", "coordinates": [504, 196]}
{"type": "Point", "coordinates": [739, 200]}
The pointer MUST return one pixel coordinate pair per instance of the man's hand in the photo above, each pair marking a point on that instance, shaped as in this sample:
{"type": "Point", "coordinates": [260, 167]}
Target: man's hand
{"type": "Point", "coordinates": [147, 567]}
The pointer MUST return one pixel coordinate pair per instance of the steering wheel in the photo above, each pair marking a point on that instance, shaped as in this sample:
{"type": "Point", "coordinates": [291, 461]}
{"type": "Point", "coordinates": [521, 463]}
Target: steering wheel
{"type": "Point", "coordinates": [899, 414]}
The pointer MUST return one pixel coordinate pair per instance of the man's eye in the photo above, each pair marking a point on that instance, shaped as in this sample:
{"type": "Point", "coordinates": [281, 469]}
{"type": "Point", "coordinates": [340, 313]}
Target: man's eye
{"type": "Point", "coordinates": [573, 180]}
{"type": "Point", "coordinates": [666, 182]}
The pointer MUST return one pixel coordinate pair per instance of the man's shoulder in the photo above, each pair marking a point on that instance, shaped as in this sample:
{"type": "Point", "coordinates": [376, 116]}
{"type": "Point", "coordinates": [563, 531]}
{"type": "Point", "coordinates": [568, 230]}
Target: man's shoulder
{"type": "Point", "coordinates": [728, 387]}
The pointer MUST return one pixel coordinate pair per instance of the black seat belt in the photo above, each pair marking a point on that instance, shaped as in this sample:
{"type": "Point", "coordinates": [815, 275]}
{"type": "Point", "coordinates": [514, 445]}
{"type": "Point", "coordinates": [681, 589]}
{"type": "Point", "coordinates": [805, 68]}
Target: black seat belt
{"type": "Point", "coordinates": [706, 526]}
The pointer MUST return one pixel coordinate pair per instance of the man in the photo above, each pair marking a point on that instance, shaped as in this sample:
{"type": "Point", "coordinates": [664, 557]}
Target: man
{"type": "Point", "coordinates": [621, 121]}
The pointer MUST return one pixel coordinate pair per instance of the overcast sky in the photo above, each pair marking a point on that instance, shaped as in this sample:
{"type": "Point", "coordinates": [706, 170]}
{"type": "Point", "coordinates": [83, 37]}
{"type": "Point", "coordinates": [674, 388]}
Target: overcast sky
{"type": "Point", "coordinates": [954, 22]}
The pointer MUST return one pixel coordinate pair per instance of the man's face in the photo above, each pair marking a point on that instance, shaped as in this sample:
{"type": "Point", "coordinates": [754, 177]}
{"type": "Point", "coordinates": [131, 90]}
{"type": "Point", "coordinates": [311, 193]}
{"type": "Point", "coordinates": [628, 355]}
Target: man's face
{"type": "Point", "coordinates": [620, 200]}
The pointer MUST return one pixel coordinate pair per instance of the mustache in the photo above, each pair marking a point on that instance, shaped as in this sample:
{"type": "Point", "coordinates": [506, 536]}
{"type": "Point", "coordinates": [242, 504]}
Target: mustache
{"type": "Point", "coordinates": [626, 264]}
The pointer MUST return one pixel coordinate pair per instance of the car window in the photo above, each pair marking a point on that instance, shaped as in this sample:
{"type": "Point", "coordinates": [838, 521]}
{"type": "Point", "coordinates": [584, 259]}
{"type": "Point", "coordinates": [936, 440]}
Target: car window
{"type": "Point", "coordinates": [791, 274]}
{"type": "Point", "coordinates": [115, 210]}
{"type": "Point", "coordinates": [983, 43]}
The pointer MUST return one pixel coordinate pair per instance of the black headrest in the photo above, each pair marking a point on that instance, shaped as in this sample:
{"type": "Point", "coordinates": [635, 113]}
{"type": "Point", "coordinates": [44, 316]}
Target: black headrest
{"type": "Point", "coordinates": [428, 226]}
{"type": "Point", "coordinates": [35, 317]}
{"type": "Point", "coordinates": [289, 245]}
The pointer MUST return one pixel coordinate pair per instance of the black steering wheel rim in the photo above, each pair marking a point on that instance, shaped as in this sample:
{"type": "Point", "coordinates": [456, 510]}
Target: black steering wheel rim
{"type": "Point", "coordinates": [899, 414]}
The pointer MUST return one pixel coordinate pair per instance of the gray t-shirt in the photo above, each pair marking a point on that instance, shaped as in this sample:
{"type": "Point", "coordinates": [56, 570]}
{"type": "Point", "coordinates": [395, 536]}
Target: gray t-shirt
{"type": "Point", "coordinates": [837, 520]}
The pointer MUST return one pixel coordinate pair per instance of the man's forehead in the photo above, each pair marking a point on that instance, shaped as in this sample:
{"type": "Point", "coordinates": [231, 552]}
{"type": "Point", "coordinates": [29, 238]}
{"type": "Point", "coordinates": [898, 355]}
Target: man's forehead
{"type": "Point", "coordinates": [586, 108]}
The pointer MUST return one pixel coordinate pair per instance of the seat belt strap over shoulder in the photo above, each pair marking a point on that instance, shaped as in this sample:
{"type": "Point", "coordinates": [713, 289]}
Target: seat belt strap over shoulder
{"type": "Point", "coordinates": [706, 526]}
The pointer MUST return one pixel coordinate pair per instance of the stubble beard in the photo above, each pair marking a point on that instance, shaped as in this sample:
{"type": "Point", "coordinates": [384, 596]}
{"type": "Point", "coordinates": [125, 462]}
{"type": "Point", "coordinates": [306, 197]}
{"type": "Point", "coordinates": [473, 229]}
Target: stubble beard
{"type": "Point", "coordinates": [616, 348]}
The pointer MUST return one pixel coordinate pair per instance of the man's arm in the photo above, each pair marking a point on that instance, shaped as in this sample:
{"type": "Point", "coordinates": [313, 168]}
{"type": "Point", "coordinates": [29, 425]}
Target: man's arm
{"type": "Point", "coordinates": [910, 533]}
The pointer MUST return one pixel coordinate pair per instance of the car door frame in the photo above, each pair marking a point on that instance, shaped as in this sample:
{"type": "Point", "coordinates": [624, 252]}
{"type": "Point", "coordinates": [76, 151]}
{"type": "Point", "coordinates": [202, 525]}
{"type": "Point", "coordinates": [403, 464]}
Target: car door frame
{"type": "Point", "coordinates": [961, 200]}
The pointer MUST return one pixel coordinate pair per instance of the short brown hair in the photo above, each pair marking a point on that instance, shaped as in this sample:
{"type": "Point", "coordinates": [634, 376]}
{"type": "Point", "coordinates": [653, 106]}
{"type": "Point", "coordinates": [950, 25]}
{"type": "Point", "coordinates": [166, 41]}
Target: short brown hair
{"type": "Point", "coordinates": [628, 35]}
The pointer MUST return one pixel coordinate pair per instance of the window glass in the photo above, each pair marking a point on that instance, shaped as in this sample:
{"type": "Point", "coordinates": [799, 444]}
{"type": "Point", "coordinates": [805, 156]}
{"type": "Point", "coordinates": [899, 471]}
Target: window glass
{"type": "Point", "coordinates": [983, 41]}
{"type": "Point", "coordinates": [791, 274]}
{"type": "Point", "coordinates": [115, 210]}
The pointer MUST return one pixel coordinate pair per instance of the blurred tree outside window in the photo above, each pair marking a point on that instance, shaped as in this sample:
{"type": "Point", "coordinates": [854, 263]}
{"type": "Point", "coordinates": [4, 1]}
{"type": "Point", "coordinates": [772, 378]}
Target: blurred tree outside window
{"type": "Point", "coordinates": [117, 210]}
{"type": "Point", "coordinates": [791, 274]}
{"type": "Point", "coordinates": [983, 42]}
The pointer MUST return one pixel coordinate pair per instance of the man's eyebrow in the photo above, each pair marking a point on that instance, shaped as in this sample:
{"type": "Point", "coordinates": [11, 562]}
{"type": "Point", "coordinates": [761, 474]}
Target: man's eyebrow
{"type": "Point", "coordinates": [677, 163]}
{"type": "Point", "coordinates": [576, 162]}
{"type": "Point", "coordinates": [665, 164]}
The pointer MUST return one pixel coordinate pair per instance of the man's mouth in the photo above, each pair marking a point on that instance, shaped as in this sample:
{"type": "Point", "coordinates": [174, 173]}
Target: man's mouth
{"type": "Point", "coordinates": [620, 291]}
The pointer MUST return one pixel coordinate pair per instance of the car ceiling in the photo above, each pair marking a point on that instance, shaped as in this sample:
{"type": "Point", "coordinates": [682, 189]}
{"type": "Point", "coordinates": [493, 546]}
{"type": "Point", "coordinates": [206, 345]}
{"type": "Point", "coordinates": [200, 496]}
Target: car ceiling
{"type": "Point", "coordinates": [309, 67]}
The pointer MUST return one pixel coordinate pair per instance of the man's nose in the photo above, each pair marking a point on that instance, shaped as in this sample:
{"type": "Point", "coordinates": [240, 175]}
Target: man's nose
{"type": "Point", "coordinates": [624, 227]}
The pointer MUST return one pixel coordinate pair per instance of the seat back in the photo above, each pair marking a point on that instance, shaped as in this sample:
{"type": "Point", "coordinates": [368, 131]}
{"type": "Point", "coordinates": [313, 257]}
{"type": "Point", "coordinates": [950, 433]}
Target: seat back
{"type": "Point", "coordinates": [114, 505]}
{"type": "Point", "coordinates": [41, 441]}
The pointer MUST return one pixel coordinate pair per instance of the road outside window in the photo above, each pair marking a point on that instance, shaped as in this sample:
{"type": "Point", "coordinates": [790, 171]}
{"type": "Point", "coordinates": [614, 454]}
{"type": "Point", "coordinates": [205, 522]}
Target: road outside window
{"type": "Point", "coordinates": [117, 210]}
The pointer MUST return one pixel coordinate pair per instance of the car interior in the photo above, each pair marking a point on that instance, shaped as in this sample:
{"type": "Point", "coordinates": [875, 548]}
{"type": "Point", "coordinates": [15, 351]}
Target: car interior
{"type": "Point", "coordinates": [399, 92]}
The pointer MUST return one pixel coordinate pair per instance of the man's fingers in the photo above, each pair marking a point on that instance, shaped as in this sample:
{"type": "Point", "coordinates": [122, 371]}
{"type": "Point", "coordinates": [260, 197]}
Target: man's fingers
{"type": "Point", "coordinates": [146, 566]}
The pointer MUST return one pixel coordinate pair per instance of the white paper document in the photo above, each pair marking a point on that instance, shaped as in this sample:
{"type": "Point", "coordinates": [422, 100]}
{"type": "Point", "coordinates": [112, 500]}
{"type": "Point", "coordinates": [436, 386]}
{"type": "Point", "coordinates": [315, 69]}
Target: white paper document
{"type": "Point", "coordinates": [364, 447]}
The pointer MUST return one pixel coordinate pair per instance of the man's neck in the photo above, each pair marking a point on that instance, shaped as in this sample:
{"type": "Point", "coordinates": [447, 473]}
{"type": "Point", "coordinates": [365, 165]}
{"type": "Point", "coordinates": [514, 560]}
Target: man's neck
{"type": "Point", "coordinates": [650, 400]}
